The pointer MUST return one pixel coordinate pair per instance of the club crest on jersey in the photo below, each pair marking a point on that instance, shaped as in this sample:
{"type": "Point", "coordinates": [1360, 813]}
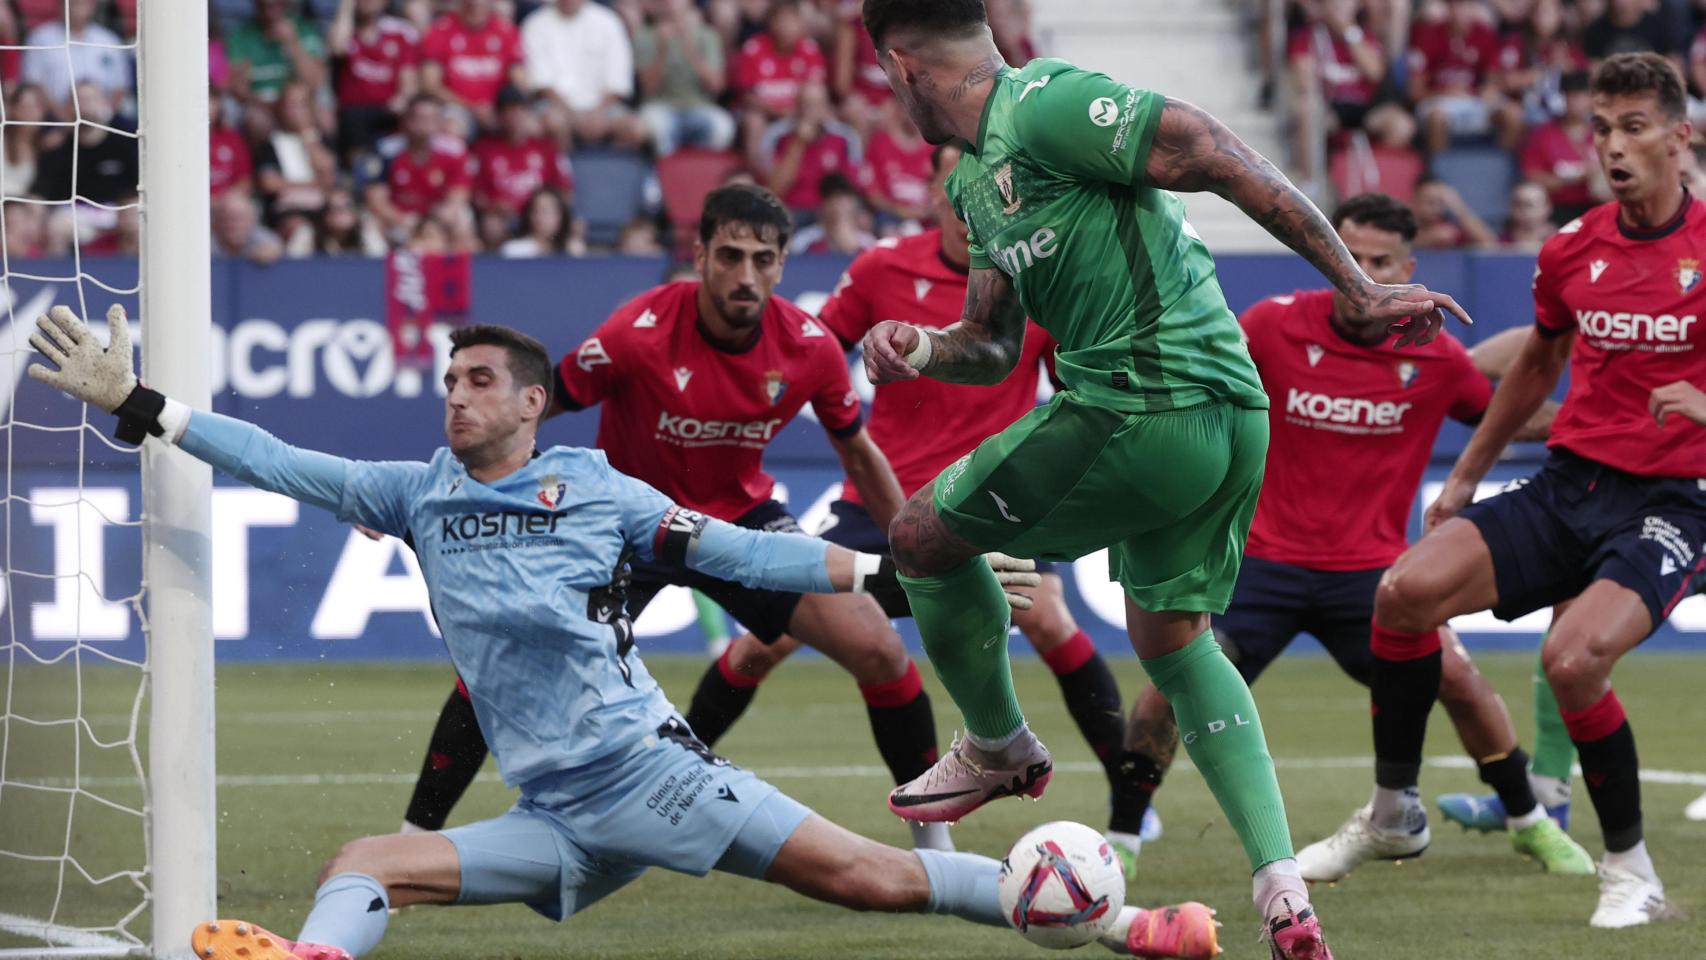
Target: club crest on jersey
{"type": "Point", "coordinates": [774, 386]}
{"type": "Point", "coordinates": [1004, 183]}
{"type": "Point", "coordinates": [1688, 275]}
{"type": "Point", "coordinates": [551, 491]}
{"type": "Point", "coordinates": [1406, 373]}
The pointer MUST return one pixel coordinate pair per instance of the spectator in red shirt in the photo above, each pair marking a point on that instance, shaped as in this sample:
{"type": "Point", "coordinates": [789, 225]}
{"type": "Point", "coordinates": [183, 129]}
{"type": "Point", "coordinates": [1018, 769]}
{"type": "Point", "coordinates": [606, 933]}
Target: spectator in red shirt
{"type": "Point", "coordinates": [230, 165]}
{"type": "Point", "coordinates": [857, 79]}
{"type": "Point", "coordinates": [378, 70]}
{"type": "Point", "coordinates": [1559, 155]}
{"type": "Point", "coordinates": [1451, 66]}
{"type": "Point", "coordinates": [1446, 222]}
{"type": "Point", "coordinates": [1335, 64]}
{"type": "Point", "coordinates": [510, 165]}
{"type": "Point", "coordinates": [896, 175]}
{"type": "Point", "coordinates": [771, 70]}
{"type": "Point", "coordinates": [422, 175]}
{"type": "Point", "coordinates": [466, 57]}
{"type": "Point", "coordinates": [800, 150]}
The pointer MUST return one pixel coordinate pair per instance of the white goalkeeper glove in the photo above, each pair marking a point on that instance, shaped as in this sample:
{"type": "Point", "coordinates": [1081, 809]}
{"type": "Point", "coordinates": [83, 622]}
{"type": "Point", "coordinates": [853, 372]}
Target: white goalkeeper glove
{"type": "Point", "coordinates": [102, 377]}
{"type": "Point", "coordinates": [875, 574]}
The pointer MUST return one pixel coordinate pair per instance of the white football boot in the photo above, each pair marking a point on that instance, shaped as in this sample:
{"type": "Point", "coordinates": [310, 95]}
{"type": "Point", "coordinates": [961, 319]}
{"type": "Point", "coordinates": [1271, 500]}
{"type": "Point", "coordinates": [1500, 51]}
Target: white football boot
{"type": "Point", "coordinates": [1360, 841]}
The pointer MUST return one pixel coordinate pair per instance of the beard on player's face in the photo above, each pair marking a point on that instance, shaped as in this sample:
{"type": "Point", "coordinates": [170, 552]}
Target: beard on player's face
{"type": "Point", "coordinates": [738, 272]}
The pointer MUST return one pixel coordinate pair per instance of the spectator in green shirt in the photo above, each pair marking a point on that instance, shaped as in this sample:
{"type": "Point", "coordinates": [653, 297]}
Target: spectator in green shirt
{"type": "Point", "coordinates": [273, 49]}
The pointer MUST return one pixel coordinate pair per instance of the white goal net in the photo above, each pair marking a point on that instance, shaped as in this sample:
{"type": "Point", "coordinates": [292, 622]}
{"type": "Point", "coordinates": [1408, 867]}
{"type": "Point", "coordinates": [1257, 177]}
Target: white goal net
{"type": "Point", "coordinates": [82, 532]}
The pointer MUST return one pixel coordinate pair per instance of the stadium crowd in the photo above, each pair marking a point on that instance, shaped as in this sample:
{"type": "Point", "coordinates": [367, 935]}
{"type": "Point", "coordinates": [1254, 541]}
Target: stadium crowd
{"type": "Point", "coordinates": [1475, 111]}
{"type": "Point", "coordinates": [517, 127]}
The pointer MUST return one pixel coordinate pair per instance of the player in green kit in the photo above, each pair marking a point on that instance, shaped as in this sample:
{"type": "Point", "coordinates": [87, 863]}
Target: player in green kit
{"type": "Point", "coordinates": [1156, 449]}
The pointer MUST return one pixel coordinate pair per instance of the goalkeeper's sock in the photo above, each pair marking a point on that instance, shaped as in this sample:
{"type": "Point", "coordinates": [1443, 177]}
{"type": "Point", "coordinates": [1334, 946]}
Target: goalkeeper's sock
{"type": "Point", "coordinates": [1554, 754]}
{"type": "Point", "coordinates": [1223, 734]}
{"type": "Point", "coordinates": [722, 696]}
{"type": "Point", "coordinates": [454, 755]}
{"type": "Point", "coordinates": [964, 885]}
{"type": "Point", "coordinates": [963, 618]}
{"type": "Point", "coordinates": [350, 913]}
{"type": "Point", "coordinates": [902, 723]}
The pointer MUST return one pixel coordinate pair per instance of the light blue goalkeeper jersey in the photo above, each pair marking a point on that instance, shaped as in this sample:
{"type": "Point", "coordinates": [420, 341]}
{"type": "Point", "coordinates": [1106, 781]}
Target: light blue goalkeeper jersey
{"type": "Point", "coordinates": [525, 577]}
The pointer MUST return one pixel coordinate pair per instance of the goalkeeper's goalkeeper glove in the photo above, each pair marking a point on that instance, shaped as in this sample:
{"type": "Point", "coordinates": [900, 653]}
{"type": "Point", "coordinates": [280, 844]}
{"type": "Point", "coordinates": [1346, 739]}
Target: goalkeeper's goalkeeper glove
{"type": "Point", "coordinates": [879, 580]}
{"type": "Point", "coordinates": [103, 378]}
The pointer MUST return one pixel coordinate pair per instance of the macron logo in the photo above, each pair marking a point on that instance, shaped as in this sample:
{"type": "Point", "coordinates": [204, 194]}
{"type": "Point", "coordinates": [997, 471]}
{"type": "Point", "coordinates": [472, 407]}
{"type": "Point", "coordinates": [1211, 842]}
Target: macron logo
{"type": "Point", "coordinates": [810, 329]}
{"type": "Point", "coordinates": [921, 287]}
{"type": "Point", "coordinates": [1595, 269]}
{"type": "Point", "coordinates": [647, 319]}
{"type": "Point", "coordinates": [682, 375]}
{"type": "Point", "coordinates": [1316, 352]}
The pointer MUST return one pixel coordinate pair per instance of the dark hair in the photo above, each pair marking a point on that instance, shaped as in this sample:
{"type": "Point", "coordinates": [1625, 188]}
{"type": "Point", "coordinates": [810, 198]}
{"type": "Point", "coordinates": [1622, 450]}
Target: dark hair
{"type": "Point", "coordinates": [836, 184]}
{"type": "Point", "coordinates": [935, 18]}
{"type": "Point", "coordinates": [529, 363]}
{"type": "Point", "coordinates": [747, 204]}
{"type": "Point", "coordinates": [565, 218]}
{"type": "Point", "coordinates": [1379, 211]}
{"type": "Point", "coordinates": [1630, 74]}
{"type": "Point", "coordinates": [1574, 81]}
{"type": "Point", "coordinates": [420, 98]}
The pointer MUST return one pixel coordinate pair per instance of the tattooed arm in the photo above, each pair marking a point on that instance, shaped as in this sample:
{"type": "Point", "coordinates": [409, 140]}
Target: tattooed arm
{"type": "Point", "coordinates": [983, 348]}
{"type": "Point", "coordinates": [1194, 152]}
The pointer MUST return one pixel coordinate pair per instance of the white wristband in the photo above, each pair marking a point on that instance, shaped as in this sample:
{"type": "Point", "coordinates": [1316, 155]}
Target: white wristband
{"type": "Point", "coordinates": [174, 419]}
{"type": "Point", "coordinates": [864, 564]}
{"type": "Point", "coordinates": [918, 356]}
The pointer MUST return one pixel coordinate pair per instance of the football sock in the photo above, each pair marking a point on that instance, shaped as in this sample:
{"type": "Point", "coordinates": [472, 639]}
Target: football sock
{"type": "Point", "coordinates": [1554, 754]}
{"type": "Point", "coordinates": [963, 618]}
{"type": "Point", "coordinates": [1402, 689]}
{"type": "Point", "coordinates": [1394, 808]}
{"type": "Point", "coordinates": [454, 755]}
{"type": "Point", "coordinates": [1508, 776]}
{"type": "Point", "coordinates": [1611, 769]}
{"type": "Point", "coordinates": [712, 623]}
{"type": "Point", "coordinates": [1635, 860]}
{"type": "Point", "coordinates": [1274, 880]}
{"type": "Point", "coordinates": [1223, 734]}
{"type": "Point", "coordinates": [1136, 777]}
{"type": "Point", "coordinates": [719, 700]}
{"type": "Point", "coordinates": [964, 885]}
{"type": "Point", "coordinates": [350, 912]}
{"type": "Point", "coordinates": [902, 723]}
{"type": "Point", "coordinates": [1092, 697]}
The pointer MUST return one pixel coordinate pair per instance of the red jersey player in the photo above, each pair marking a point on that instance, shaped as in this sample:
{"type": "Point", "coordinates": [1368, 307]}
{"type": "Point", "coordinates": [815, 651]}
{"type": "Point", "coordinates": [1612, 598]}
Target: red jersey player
{"type": "Point", "coordinates": [1617, 515]}
{"type": "Point", "coordinates": [922, 279]}
{"type": "Point", "coordinates": [1352, 413]}
{"type": "Point", "coordinates": [694, 379]}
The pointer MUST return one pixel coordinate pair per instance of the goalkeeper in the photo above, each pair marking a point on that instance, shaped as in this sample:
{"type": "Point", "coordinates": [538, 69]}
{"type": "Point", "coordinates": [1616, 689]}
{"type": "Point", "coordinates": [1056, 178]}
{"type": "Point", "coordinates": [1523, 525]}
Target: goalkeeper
{"type": "Point", "coordinates": [522, 552]}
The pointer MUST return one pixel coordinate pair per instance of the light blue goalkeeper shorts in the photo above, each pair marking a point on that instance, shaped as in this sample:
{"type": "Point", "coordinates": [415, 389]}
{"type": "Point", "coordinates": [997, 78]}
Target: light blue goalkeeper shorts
{"type": "Point", "coordinates": [578, 836]}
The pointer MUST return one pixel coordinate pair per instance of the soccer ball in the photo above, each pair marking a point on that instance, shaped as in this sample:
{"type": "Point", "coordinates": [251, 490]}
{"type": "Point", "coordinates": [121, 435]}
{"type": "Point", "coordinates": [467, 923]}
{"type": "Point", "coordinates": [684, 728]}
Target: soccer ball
{"type": "Point", "coordinates": [1061, 885]}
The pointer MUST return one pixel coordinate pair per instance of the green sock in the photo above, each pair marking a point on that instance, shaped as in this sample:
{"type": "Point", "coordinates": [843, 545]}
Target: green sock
{"type": "Point", "coordinates": [711, 621]}
{"type": "Point", "coordinates": [1223, 734]}
{"type": "Point", "coordinates": [1554, 754]}
{"type": "Point", "coordinates": [963, 619]}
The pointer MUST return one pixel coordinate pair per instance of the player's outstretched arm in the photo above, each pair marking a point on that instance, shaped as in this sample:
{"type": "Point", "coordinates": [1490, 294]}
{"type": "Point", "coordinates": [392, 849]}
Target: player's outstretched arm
{"type": "Point", "coordinates": [983, 348]}
{"type": "Point", "coordinates": [1194, 152]}
{"type": "Point", "coordinates": [1521, 393]}
{"type": "Point", "coordinates": [104, 377]}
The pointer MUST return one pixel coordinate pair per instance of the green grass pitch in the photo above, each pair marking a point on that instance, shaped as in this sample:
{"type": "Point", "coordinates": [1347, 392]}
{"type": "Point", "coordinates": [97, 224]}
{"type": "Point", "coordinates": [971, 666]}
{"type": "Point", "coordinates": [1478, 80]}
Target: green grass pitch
{"type": "Point", "coordinates": [311, 755]}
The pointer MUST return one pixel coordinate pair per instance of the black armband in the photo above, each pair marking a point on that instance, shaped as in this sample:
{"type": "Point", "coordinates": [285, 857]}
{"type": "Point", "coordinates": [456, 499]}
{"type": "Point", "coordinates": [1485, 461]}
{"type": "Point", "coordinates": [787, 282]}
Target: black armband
{"type": "Point", "coordinates": [139, 414]}
{"type": "Point", "coordinates": [885, 588]}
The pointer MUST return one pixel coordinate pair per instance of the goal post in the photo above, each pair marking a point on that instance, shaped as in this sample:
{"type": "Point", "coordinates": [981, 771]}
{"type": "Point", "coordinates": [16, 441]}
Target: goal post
{"type": "Point", "coordinates": [176, 312]}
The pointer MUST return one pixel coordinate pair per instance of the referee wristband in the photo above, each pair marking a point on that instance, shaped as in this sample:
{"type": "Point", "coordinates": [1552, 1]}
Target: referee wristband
{"type": "Point", "coordinates": [919, 356]}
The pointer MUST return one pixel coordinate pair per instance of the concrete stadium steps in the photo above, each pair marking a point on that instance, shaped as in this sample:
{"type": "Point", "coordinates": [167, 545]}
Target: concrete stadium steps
{"type": "Point", "coordinates": [1196, 50]}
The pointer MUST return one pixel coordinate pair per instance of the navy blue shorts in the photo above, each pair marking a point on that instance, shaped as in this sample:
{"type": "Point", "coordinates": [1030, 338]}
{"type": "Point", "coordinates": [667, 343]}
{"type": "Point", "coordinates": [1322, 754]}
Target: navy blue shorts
{"type": "Point", "coordinates": [1577, 521]}
{"type": "Point", "coordinates": [1273, 602]}
{"type": "Point", "coordinates": [850, 525]}
{"type": "Point", "coordinates": [765, 612]}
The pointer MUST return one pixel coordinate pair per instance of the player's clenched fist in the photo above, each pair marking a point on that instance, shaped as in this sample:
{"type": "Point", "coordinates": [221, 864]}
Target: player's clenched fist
{"type": "Point", "coordinates": [895, 351]}
{"type": "Point", "coordinates": [1681, 398]}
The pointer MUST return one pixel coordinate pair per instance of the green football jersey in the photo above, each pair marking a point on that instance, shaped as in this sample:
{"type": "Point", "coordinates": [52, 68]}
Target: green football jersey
{"type": "Point", "coordinates": [1054, 193]}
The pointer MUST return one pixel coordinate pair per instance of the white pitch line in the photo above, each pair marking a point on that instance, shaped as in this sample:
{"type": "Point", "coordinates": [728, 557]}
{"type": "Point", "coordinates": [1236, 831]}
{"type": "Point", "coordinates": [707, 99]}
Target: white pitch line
{"type": "Point", "coordinates": [84, 943]}
{"type": "Point", "coordinates": [850, 772]}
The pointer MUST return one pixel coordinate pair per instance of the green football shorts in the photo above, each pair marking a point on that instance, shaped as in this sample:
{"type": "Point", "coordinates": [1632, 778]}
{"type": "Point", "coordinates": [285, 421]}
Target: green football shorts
{"type": "Point", "coordinates": [1170, 494]}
